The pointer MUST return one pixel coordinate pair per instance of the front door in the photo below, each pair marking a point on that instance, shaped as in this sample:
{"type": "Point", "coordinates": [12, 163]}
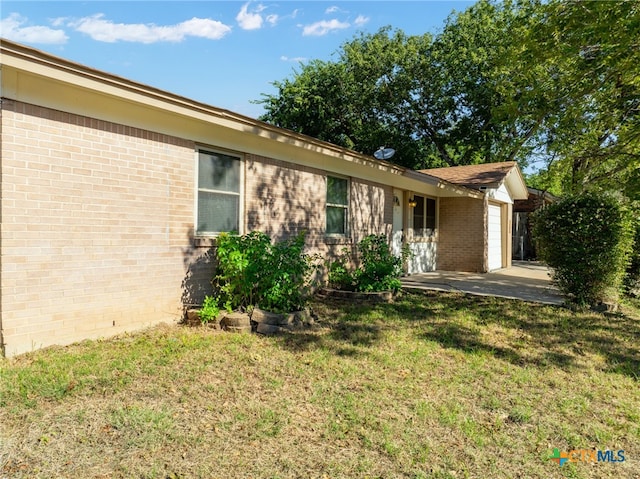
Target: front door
{"type": "Point", "coordinates": [398, 217]}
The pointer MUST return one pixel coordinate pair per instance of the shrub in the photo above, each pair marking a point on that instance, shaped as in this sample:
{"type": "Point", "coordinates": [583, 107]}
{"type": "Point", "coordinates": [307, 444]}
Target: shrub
{"type": "Point", "coordinates": [378, 270]}
{"type": "Point", "coordinates": [210, 309]}
{"type": "Point", "coordinates": [586, 240]}
{"type": "Point", "coordinates": [339, 274]}
{"type": "Point", "coordinates": [632, 278]}
{"type": "Point", "coordinates": [254, 272]}
{"type": "Point", "coordinates": [238, 273]}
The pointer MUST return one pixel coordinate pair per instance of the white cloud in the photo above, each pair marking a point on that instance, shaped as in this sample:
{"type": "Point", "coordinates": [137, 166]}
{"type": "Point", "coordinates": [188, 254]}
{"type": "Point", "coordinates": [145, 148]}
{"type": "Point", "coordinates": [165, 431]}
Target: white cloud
{"type": "Point", "coordinates": [204, 28]}
{"type": "Point", "coordinates": [361, 20]}
{"type": "Point", "coordinates": [332, 9]}
{"type": "Point", "coordinates": [294, 59]}
{"type": "Point", "coordinates": [12, 28]}
{"type": "Point", "coordinates": [103, 30]}
{"type": "Point", "coordinates": [250, 20]}
{"type": "Point", "coordinates": [323, 27]}
{"type": "Point", "coordinates": [59, 22]}
{"type": "Point", "coordinates": [272, 19]}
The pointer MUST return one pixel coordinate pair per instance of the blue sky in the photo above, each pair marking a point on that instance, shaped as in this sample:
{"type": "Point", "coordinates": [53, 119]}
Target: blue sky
{"type": "Point", "coordinates": [223, 53]}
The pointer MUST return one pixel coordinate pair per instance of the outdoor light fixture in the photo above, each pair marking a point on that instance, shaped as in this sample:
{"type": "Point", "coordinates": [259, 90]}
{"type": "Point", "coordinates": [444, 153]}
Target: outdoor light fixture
{"type": "Point", "coordinates": [413, 203]}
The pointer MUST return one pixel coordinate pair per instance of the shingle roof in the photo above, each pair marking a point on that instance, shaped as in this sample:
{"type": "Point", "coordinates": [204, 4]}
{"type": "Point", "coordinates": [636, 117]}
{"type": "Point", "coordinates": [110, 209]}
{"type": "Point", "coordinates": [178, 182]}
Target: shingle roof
{"type": "Point", "coordinates": [474, 176]}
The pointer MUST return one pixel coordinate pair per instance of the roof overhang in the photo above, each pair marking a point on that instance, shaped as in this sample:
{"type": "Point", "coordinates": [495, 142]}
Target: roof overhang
{"type": "Point", "coordinates": [515, 183]}
{"type": "Point", "coordinates": [32, 76]}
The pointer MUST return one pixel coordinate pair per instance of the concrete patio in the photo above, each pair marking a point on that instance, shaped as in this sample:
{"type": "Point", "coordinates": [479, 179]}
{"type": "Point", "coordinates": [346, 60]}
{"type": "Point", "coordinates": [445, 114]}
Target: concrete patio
{"type": "Point", "coordinates": [525, 280]}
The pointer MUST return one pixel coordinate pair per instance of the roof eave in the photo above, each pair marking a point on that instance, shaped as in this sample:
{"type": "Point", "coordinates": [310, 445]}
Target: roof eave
{"type": "Point", "coordinates": [443, 184]}
{"type": "Point", "coordinates": [516, 184]}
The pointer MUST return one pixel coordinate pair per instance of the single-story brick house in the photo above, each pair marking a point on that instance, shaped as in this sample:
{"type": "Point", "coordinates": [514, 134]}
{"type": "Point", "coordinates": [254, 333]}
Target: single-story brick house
{"type": "Point", "coordinates": [112, 193]}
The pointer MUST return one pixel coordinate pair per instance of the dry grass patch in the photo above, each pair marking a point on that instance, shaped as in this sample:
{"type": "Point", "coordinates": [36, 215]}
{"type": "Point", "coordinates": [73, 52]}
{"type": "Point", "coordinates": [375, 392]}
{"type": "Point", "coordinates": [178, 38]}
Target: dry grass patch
{"type": "Point", "coordinates": [434, 385]}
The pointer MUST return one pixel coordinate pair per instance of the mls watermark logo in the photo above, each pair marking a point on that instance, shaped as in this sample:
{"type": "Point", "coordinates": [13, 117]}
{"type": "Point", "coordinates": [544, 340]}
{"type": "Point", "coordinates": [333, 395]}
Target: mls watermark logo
{"type": "Point", "coordinates": [587, 455]}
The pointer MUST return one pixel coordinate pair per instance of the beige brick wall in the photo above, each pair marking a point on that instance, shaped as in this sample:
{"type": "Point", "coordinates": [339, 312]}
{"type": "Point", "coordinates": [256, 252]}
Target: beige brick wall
{"type": "Point", "coordinates": [97, 224]}
{"type": "Point", "coordinates": [95, 232]}
{"type": "Point", "coordinates": [371, 209]}
{"type": "Point", "coordinates": [461, 242]}
{"type": "Point", "coordinates": [283, 199]}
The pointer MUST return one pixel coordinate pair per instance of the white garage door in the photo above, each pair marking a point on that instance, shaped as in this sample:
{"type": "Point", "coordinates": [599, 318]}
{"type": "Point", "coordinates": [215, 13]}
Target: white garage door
{"type": "Point", "coordinates": [495, 237]}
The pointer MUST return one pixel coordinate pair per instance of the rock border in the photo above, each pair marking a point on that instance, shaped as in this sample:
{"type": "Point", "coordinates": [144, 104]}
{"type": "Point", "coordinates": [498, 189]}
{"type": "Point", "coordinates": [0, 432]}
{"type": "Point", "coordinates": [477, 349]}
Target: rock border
{"type": "Point", "coordinates": [268, 323]}
{"type": "Point", "coordinates": [259, 321]}
{"type": "Point", "coordinates": [192, 318]}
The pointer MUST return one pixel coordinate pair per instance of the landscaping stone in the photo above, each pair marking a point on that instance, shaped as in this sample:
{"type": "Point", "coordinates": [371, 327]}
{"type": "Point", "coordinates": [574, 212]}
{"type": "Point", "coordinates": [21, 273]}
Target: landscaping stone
{"type": "Point", "coordinates": [236, 322]}
{"type": "Point", "coordinates": [606, 307]}
{"type": "Point", "coordinates": [266, 322]}
{"type": "Point", "coordinates": [193, 319]}
{"type": "Point", "coordinates": [237, 329]}
{"type": "Point", "coordinates": [275, 319]}
{"type": "Point", "coordinates": [260, 321]}
{"type": "Point", "coordinates": [193, 316]}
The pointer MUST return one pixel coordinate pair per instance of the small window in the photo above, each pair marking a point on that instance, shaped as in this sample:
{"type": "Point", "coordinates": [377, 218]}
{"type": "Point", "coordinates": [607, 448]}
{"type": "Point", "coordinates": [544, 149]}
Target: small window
{"type": "Point", "coordinates": [337, 205]}
{"type": "Point", "coordinates": [218, 193]}
{"type": "Point", "coordinates": [424, 216]}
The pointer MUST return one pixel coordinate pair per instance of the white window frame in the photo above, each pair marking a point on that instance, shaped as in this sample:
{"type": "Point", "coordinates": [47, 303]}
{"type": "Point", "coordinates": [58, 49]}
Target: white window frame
{"type": "Point", "coordinates": [432, 232]}
{"type": "Point", "coordinates": [335, 205]}
{"type": "Point", "coordinates": [239, 194]}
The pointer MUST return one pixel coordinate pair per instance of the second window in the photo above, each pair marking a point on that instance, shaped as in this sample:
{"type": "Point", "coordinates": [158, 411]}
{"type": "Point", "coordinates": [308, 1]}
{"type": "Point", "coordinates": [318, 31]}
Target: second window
{"type": "Point", "coordinates": [337, 205]}
{"type": "Point", "coordinates": [424, 216]}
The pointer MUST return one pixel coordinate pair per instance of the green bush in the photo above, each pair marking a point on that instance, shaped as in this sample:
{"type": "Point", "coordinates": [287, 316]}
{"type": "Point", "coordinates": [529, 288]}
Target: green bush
{"type": "Point", "coordinates": [632, 278]}
{"type": "Point", "coordinates": [378, 270]}
{"type": "Point", "coordinates": [254, 272]}
{"type": "Point", "coordinates": [586, 240]}
{"type": "Point", "coordinates": [339, 273]}
{"type": "Point", "coordinates": [210, 309]}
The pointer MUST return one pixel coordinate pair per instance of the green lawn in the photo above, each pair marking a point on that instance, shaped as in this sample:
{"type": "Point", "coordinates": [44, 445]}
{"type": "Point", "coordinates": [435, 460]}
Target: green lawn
{"type": "Point", "coordinates": [434, 385]}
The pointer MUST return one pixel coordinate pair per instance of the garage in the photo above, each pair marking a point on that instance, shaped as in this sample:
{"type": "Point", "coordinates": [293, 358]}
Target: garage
{"type": "Point", "coordinates": [467, 242]}
{"type": "Point", "coordinates": [494, 237]}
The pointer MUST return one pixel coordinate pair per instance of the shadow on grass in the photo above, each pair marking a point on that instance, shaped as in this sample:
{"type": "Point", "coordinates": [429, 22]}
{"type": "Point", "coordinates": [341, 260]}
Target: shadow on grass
{"type": "Point", "coordinates": [534, 334]}
{"type": "Point", "coordinates": [527, 333]}
{"type": "Point", "coordinates": [518, 332]}
{"type": "Point", "coordinates": [345, 329]}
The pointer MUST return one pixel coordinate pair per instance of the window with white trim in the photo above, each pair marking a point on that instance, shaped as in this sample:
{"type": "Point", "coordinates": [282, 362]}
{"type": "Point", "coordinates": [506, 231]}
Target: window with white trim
{"type": "Point", "coordinates": [337, 205]}
{"type": "Point", "coordinates": [424, 216]}
{"type": "Point", "coordinates": [218, 207]}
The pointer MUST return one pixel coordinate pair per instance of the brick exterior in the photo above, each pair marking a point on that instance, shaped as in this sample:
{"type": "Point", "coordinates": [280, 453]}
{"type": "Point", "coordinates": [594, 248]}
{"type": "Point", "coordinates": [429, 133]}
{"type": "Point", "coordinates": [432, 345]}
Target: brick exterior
{"type": "Point", "coordinates": [283, 199]}
{"type": "Point", "coordinates": [96, 220]}
{"type": "Point", "coordinates": [462, 235]}
{"type": "Point", "coordinates": [97, 224]}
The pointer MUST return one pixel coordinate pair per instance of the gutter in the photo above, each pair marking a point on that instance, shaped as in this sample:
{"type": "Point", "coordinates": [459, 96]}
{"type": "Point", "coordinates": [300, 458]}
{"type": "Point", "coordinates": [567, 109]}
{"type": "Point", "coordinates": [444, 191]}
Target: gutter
{"type": "Point", "coordinates": [31, 55]}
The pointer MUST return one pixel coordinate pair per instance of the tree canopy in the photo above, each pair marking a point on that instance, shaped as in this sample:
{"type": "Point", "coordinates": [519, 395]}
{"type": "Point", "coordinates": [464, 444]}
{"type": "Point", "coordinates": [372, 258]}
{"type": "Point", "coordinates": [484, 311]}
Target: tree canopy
{"type": "Point", "coordinates": [591, 56]}
{"type": "Point", "coordinates": [554, 84]}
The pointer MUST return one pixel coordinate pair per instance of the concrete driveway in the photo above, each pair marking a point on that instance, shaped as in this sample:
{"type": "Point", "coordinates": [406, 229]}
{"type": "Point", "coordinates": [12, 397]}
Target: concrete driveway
{"type": "Point", "coordinates": [528, 281]}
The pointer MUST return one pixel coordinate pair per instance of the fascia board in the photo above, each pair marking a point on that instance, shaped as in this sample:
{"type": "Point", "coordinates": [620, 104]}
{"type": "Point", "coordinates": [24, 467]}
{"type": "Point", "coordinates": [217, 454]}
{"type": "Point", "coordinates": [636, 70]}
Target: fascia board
{"type": "Point", "coordinates": [39, 78]}
{"type": "Point", "coordinates": [516, 184]}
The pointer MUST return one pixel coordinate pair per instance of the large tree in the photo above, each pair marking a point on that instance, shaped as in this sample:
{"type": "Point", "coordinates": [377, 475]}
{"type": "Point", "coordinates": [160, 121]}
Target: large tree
{"type": "Point", "coordinates": [590, 52]}
{"type": "Point", "coordinates": [551, 82]}
{"type": "Point", "coordinates": [354, 101]}
{"type": "Point", "coordinates": [436, 101]}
